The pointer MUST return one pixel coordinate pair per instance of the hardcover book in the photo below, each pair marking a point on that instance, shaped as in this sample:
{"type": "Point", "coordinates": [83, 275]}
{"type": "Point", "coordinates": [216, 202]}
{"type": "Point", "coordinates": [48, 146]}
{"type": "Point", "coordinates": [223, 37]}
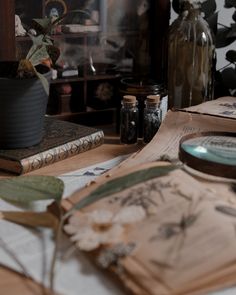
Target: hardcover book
{"type": "Point", "coordinates": [61, 140]}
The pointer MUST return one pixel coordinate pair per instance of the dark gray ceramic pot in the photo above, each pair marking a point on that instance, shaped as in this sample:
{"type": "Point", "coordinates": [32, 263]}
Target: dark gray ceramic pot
{"type": "Point", "coordinates": [23, 105]}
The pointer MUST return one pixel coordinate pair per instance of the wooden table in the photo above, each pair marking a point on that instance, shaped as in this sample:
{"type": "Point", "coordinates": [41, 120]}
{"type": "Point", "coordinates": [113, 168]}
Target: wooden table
{"type": "Point", "coordinates": [12, 283]}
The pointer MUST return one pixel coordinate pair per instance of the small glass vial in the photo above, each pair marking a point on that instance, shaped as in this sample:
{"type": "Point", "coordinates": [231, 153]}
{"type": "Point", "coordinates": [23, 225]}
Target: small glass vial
{"type": "Point", "coordinates": [151, 117]}
{"type": "Point", "coordinates": [129, 120]}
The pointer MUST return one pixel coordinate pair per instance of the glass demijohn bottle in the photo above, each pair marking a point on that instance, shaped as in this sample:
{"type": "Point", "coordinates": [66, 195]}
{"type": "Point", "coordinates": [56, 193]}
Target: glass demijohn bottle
{"type": "Point", "coordinates": [191, 54]}
{"type": "Point", "coordinates": [129, 114]}
{"type": "Point", "coordinates": [151, 117]}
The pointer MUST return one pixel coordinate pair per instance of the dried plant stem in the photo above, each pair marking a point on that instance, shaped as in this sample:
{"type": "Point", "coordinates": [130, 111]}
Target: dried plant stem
{"type": "Point", "coordinates": [55, 251]}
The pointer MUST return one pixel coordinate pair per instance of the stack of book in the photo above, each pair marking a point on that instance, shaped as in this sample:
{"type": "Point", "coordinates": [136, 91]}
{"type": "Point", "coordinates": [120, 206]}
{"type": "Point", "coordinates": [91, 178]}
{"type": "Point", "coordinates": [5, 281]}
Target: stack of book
{"type": "Point", "coordinates": [61, 140]}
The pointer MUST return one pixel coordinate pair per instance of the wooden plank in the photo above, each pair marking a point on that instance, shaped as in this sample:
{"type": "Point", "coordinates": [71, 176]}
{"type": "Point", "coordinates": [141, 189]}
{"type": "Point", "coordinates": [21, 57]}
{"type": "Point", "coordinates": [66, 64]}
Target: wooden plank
{"type": "Point", "coordinates": [7, 30]}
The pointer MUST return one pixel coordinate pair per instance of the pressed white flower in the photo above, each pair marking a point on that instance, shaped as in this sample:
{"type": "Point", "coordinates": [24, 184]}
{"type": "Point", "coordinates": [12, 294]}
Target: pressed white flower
{"type": "Point", "coordinates": [88, 244]}
{"type": "Point", "coordinates": [101, 216]}
{"type": "Point", "coordinates": [101, 227]}
{"type": "Point", "coordinates": [112, 235]}
{"type": "Point", "coordinates": [130, 214]}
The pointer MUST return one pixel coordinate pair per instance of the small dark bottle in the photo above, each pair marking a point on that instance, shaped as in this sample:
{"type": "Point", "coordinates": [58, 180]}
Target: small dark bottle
{"type": "Point", "coordinates": [152, 117]}
{"type": "Point", "coordinates": [129, 120]}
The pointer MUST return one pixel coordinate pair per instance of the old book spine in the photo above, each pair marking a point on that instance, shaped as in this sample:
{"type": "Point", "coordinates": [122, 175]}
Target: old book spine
{"type": "Point", "coordinates": [61, 152]}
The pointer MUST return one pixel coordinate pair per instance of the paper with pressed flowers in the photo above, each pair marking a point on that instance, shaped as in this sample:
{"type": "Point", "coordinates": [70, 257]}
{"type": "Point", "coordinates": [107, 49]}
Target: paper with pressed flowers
{"type": "Point", "coordinates": [189, 205]}
{"type": "Point", "coordinates": [223, 106]}
{"type": "Point", "coordinates": [167, 235]}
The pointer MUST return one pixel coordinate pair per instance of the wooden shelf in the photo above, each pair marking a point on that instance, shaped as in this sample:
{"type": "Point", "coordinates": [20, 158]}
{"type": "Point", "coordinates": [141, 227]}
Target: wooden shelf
{"type": "Point", "coordinates": [87, 78]}
{"type": "Point", "coordinates": [100, 90]}
{"type": "Point", "coordinates": [67, 80]}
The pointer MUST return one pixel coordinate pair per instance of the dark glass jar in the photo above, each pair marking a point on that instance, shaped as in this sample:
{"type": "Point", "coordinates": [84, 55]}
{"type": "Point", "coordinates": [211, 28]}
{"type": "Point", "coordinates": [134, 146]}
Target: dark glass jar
{"type": "Point", "coordinates": [151, 117]}
{"type": "Point", "coordinates": [140, 88]}
{"type": "Point", "coordinates": [129, 115]}
{"type": "Point", "coordinates": [191, 57]}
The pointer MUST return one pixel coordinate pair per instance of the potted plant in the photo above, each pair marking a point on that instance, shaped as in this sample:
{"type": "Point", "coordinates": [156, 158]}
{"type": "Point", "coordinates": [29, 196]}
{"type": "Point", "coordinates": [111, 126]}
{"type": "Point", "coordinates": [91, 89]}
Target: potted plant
{"type": "Point", "coordinates": [24, 89]}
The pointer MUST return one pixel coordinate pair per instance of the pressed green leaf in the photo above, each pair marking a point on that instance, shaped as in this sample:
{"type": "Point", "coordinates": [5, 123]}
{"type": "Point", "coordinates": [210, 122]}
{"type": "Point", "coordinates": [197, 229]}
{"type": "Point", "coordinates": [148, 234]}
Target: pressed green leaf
{"type": "Point", "coordinates": [26, 189]}
{"type": "Point", "coordinates": [118, 184]}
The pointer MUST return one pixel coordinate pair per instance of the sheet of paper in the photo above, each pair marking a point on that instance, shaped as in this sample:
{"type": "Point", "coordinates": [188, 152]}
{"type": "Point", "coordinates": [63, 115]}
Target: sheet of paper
{"type": "Point", "coordinates": [75, 180]}
{"type": "Point", "coordinates": [223, 106]}
{"type": "Point", "coordinates": [29, 251]}
{"type": "Point", "coordinates": [175, 126]}
{"type": "Point", "coordinates": [190, 253]}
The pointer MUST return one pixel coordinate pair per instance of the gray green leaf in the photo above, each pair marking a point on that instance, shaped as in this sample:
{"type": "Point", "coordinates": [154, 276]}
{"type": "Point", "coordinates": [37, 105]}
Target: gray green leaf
{"type": "Point", "coordinates": [26, 189]}
{"type": "Point", "coordinates": [44, 82]}
{"type": "Point", "coordinates": [118, 184]}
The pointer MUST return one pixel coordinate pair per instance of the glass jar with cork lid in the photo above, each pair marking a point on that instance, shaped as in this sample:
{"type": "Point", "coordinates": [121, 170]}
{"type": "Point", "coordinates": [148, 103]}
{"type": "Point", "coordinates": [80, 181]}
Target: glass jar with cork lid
{"type": "Point", "coordinates": [151, 117]}
{"type": "Point", "coordinates": [129, 115]}
{"type": "Point", "coordinates": [140, 88]}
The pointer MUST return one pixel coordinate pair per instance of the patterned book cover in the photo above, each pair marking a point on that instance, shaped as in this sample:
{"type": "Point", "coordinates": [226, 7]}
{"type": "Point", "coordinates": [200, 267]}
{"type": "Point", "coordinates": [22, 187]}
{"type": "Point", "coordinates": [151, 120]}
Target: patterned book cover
{"type": "Point", "coordinates": [61, 140]}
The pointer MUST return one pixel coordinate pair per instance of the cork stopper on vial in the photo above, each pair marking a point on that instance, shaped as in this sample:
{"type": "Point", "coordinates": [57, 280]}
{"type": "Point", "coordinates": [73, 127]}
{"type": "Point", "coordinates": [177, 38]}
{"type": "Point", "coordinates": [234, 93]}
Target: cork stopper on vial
{"type": "Point", "coordinates": [153, 99]}
{"type": "Point", "coordinates": [129, 99]}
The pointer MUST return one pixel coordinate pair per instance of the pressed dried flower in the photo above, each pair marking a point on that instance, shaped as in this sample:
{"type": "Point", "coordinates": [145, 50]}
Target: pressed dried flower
{"type": "Point", "coordinates": [130, 214]}
{"type": "Point", "coordinates": [101, 227]}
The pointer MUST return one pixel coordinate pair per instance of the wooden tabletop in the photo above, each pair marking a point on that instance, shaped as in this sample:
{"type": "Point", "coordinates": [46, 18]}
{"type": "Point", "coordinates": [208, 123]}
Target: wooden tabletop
{"type": "Point", "coordinates": [12, 283]}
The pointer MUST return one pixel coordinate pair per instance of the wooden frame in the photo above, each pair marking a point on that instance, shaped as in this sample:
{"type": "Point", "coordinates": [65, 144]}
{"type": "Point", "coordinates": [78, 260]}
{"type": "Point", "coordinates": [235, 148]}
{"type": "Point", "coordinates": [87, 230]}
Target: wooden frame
{"type": "Point", "coordinates": [7, 30]}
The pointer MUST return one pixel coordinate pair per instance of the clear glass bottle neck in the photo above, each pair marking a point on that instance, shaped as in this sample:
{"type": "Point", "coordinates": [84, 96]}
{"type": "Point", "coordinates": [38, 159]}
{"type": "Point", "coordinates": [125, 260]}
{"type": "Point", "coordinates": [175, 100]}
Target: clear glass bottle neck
{"type": "Point", "coordinates": [152, 106]}
{"type": "Point", "coordinates": [129, 105]}
{"type": "Point", "coordinates": [190, 9]}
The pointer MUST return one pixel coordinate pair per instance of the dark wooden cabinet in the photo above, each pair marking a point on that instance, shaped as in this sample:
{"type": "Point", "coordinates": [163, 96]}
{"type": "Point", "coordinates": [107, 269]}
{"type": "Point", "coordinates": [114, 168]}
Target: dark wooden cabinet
{"type": "Point", "coordinates": [114, 39]}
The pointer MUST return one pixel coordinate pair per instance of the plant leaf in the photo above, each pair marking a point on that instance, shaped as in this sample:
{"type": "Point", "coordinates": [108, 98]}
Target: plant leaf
{"type": "Point", "coordinates": [176, 5]}
{"type": "Point", "coordinates": [53, 53]}
{"type": "Point", "coordinates": [229, 77]}
{"type": "Point", "coordinates": [26, 189]}
{"type": "Point", "coordinates": [44, 82]}
{"type": "Point", "coordinates": [41, 25]}
{"type": "Point", "coordinates": [231, 56]}
{"type": "Point", "coordinates": [222, 39]}
{"type": "Point", "coordinates": [41, 39]}
{"type": "Point", "coordinates": [120, 183]}
{"type": "Point", "coordinates": [230, 3]}
{"type": "Point", "coordinates": [212, 21]}
{"type": "Point", "coordinates": [208, 7]}
{"type": "Point", "coordinates": [37, 54]}
{"type": "Point", "coordinates": [34, 219]}
{"type": "Point", "coordinates": [232, 33]}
